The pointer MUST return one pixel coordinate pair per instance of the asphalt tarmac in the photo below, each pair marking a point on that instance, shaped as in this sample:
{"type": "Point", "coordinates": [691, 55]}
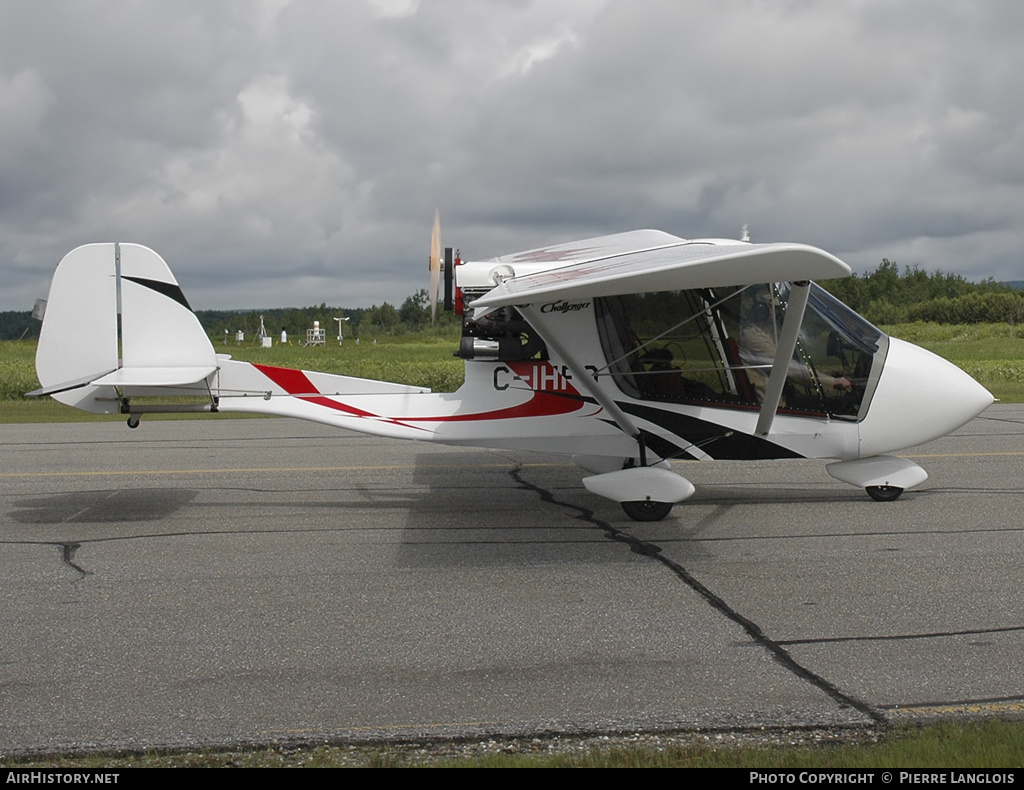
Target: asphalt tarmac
{"type": "Point", "coordinates": [230, 582]}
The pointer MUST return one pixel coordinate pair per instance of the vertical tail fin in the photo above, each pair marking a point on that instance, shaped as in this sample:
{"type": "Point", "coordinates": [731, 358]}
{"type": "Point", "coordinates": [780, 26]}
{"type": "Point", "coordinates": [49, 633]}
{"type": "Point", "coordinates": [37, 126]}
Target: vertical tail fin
{"type": "Point", "coordinates": [117, 324]}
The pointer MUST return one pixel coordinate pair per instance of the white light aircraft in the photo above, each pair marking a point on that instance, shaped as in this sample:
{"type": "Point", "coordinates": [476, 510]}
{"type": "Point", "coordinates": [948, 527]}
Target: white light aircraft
{"type": "Point", "coordinates": [625, 352]}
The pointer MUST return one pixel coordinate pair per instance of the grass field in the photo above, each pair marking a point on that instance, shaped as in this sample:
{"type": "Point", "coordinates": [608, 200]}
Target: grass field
{"type": "Point", "coordinates": [417, 360]}
{"type": "Point", "coordinates": [956, 746]}
{"type": "Point", "coordinates": [991, 353]}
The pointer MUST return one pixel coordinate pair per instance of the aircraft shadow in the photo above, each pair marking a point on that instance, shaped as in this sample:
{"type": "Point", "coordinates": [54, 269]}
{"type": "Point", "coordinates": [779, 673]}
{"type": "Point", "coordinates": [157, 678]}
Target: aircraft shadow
{"type": "Point", "coordinates": [102, 507]}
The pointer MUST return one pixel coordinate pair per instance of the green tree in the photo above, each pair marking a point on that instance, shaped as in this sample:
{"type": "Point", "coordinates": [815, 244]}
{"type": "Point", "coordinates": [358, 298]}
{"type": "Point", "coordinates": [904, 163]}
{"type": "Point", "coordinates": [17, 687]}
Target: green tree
{"type": "Point", "coordinates": [415, 310]}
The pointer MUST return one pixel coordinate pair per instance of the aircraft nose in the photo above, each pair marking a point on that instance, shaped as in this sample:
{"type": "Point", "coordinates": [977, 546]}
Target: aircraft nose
{"type": "Point", "coordinates": [919, 397]}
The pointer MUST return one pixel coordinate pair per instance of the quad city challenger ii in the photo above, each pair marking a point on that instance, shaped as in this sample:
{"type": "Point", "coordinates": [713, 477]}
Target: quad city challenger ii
{"type": "Point", "coordinates": [624, 352]}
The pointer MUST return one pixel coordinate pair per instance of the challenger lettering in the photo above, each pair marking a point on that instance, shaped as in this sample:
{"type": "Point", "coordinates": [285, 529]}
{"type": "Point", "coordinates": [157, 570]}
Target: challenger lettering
{"type": "Point", "coordinates": [564, 307]}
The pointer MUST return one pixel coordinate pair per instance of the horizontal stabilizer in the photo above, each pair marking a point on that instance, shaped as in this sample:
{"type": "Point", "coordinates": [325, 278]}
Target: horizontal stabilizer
{"type": "Point", "coordinates": [154, 377]}
{"type": "Point", "coordinates": [65, 386]}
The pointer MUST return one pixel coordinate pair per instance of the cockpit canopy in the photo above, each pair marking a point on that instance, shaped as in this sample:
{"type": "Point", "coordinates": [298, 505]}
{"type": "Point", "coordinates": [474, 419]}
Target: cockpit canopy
{"type": "Point", "coordinates": [716, 346]}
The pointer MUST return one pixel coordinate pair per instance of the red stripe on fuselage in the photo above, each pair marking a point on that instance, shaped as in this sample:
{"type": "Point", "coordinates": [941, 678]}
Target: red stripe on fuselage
{"type": "Point", "coordinates": [297, 383]}
{"type": "Point", "coordinates": [541, 403]}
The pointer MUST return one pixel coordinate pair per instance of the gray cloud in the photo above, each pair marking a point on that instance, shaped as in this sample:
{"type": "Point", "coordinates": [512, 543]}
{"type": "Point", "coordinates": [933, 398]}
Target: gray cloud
{"type": "Point", "coordinates": [293, 152]}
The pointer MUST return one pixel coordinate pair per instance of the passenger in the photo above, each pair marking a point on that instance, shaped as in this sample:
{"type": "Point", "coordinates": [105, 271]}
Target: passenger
{"type": "Point", "coordinates": [664, 381]}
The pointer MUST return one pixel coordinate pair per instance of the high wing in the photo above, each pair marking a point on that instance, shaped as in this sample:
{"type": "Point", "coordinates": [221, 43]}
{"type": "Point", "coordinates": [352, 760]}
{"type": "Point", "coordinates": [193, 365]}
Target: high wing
{"type": "Point", "coordinates": [673, 266]}
{"type": "Point", "coordinates": [598, 248]}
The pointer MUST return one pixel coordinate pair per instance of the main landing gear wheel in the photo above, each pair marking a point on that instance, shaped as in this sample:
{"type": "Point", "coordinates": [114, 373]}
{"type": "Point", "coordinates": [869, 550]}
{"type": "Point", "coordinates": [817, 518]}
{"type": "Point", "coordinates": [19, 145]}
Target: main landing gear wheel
{"type": "Point", "coordinates": [884, 493]}
{"type": "Point", "coordinates": [646, 510]}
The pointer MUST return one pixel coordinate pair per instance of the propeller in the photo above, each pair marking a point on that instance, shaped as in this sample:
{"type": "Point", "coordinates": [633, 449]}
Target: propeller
{"type": "Point", "coordinates": [435, 265]}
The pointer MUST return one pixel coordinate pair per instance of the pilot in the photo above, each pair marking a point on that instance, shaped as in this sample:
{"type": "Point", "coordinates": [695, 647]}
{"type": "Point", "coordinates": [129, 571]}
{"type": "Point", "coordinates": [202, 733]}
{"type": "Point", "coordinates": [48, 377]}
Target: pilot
{"type": "Point", "coordinates": [758, 343]}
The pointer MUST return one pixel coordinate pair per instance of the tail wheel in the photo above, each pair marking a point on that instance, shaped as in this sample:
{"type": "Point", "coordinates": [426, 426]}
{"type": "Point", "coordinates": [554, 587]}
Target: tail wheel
{"type": "Point", "coordinates": [884, 493]}
{"type": "Point", "coordinates": [646, 510]}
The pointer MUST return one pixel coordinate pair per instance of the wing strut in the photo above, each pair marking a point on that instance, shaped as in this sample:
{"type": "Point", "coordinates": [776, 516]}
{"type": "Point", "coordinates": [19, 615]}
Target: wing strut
{"type": "Point", "coordinates": [795, 306]}
{"type": "Point", "coordinates": [532, 314]}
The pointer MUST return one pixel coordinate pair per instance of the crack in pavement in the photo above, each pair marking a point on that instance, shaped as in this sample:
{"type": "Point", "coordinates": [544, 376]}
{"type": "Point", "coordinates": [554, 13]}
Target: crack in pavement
{"type": "Point", "coordinates": [653, 551]}
{"type": "Point", "coordinates": [68, 550]}
{"type": "Point", "coordinates": [904, 637]}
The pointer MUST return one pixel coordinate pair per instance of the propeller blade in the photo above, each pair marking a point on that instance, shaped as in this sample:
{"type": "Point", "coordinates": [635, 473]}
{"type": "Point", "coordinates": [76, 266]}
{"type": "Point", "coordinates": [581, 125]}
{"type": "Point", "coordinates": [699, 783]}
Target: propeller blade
{"type": "Point", "coordinates": [435, 265]}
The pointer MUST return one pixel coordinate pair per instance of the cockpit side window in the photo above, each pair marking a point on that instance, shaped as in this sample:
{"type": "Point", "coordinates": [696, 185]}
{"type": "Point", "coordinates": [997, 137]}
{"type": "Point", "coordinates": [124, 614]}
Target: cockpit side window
{"type": "Point", "coordinates": [620, 344]}
{"type": "Point", "coordinates": [666, 346]}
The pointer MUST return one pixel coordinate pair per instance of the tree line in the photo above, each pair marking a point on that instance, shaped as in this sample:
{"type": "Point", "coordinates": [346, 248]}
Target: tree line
{"type": "Point", "coordinates": [885, 296]}
{"type": "Point", "coordinates": [385, 319]}
{"type": "Point", "coordinates": [890, 296]}
{"type": "Point", "coordinates": [18, 324]}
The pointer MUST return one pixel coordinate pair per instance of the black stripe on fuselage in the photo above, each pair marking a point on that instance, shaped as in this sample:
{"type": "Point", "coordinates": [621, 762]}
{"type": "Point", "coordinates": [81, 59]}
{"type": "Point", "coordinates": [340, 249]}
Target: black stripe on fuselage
{"type": "Point", "coordinates": [693, 431]}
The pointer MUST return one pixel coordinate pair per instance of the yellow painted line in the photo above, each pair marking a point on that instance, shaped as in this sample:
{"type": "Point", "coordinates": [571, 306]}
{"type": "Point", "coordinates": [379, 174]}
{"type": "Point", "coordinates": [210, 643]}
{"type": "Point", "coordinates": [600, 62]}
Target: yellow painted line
{"type": "Point", "coordinates": [262, 469]}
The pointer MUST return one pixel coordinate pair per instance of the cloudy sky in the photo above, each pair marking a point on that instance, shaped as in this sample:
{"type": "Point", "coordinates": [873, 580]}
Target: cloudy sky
{"type": "Point", "coordinates": [285, 152]}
